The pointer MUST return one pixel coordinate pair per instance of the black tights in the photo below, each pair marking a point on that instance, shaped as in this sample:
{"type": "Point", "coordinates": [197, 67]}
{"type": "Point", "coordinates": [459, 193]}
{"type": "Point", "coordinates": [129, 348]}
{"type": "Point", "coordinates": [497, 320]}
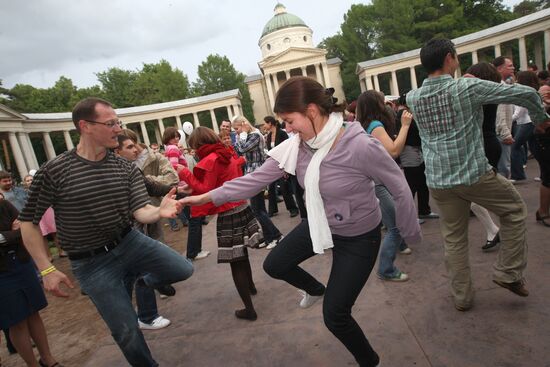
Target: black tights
{"type": "Point", "coordinates": [242, 276]}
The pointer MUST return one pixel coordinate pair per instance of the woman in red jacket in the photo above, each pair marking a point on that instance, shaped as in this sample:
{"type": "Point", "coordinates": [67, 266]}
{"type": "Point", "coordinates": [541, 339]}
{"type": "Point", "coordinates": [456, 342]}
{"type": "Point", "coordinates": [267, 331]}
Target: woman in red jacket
{"type": "Point", "coordinates": [237, 228]}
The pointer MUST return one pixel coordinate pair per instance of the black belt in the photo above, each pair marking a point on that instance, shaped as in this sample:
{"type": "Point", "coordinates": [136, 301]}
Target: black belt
{"type": "Point", "coordinates": [103, 249]}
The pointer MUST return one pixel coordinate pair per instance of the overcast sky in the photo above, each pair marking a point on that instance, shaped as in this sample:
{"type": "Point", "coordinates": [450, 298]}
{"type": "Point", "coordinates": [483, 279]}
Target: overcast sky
{"type": "Point", "coordinates": [41, 40]}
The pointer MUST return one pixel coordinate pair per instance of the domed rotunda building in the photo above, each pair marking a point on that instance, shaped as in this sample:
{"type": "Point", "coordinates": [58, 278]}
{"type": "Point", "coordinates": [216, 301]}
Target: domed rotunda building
{"type": "Point", "coordinates": [287, 50]}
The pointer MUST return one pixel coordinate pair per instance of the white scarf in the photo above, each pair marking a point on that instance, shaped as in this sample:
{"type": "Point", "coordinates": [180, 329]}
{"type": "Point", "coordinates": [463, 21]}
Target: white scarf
{"type": "Point", "coordinates": [286, 154]}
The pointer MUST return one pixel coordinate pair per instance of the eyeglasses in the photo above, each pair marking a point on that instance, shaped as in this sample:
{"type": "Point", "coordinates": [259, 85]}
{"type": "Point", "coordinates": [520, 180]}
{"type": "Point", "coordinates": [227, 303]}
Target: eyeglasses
{"type": "Point", "coordinates": [111, 124]}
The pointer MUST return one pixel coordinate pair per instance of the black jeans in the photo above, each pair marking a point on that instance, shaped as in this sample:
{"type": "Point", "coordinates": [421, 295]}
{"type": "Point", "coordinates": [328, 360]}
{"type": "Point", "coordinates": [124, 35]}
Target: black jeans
{"type": "Point", "coordinates": [352, 261]}
{"type": "Point", "coordinates": [416, 179]}
{"type": "Point", "coordinates": [194, 237]}
{"type": "Point", "coordinates": [287, 196]}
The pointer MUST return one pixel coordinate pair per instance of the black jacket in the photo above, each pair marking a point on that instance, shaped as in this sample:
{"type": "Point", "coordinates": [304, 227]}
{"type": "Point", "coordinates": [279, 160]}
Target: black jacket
{"type": "Point", "coordinates": [280, 136]}
{"type": "Point", "coordinates": [8, 213]}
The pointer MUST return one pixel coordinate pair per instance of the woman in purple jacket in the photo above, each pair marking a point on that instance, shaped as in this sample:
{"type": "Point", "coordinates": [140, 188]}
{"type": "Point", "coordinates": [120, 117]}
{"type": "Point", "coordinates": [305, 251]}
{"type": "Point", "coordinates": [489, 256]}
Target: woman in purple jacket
{"type": "Point", "coordinates": [337, 163]}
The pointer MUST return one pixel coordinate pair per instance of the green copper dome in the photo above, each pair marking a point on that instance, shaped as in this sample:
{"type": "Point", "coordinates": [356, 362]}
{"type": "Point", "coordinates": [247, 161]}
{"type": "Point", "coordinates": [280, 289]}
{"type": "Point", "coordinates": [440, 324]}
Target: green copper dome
{"type": "Point", "coordinates": [281, 20]}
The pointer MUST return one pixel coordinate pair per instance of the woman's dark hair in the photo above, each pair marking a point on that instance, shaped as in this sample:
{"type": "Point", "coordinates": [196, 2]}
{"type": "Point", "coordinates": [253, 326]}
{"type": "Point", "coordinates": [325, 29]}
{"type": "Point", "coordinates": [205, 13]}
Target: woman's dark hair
{"type": "Point", "coordinates": [300, 91]}
{"type": "Point", "coordinates": [434, 52]}
{"type": "Point", "coordinates": [201, 136]}
{"type": "Point", "coordinates": [485, 71]}
{"type": "Point", "coordinates": [272, 121]}
{"type": "Point", "coordinates": [528, 78]}
{"type": "Point", "coordinates": [371, 107]}
{"type": "Point", "coordinates": [169, 134]}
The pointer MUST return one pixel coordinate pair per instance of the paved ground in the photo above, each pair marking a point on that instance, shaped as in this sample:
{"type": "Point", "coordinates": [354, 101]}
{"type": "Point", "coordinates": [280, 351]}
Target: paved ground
{"type": "Point", "coordinates": [409, 324]}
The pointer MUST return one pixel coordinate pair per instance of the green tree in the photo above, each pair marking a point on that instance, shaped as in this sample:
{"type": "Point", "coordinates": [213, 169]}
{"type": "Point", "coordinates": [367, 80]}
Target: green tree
{"type": "Point", "coordinates": [156, 83]}
{"type": "Point", "coordinates": [117, 86]}
{"type": "Point", "coordinates": [527, 7]}
{"type": "Point", "coordinates": [217, 74]}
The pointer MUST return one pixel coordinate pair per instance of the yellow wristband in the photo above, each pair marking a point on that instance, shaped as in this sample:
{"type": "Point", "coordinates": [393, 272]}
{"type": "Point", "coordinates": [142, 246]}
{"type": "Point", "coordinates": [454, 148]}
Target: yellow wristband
{"type": "Point", "coordinates": [47, 271]}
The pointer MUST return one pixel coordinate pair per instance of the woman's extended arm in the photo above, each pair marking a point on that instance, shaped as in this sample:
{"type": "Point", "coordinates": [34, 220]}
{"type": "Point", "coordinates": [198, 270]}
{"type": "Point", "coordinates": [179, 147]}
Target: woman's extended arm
{"type": "Point", "coordinates": [394, 147]}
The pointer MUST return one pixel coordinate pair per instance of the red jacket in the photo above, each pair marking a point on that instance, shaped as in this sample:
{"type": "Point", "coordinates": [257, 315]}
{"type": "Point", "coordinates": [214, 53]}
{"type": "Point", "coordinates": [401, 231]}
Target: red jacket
{"type": "Point", "coordinates": [207, 175]}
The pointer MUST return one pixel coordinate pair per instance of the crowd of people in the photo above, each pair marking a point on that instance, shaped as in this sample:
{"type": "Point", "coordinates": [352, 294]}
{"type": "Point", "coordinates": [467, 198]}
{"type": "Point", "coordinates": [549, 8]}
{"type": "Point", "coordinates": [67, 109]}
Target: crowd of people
{"type": "Point", "coordinates": [348, 170]}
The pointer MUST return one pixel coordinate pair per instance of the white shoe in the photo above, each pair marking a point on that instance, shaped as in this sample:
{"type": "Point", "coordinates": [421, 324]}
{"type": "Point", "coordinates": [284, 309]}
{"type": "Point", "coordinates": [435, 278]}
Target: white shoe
{"type": "Point", "coordinates": [308, 300]}
{"type": "Point", "coordinates": [536, 178]}
{"type": "Point", "coordinates": [163, 296]}
{"type": "Point", "coordinates": [274, 243]}
{"type": "Point", "coordinates": [262, 245]}
{"type": "Point", "coordinates": [201, 255]}
{"type": "Point", "coordinates": [158, 323]}
{"type": "Point", "coordinates": [406, 251]}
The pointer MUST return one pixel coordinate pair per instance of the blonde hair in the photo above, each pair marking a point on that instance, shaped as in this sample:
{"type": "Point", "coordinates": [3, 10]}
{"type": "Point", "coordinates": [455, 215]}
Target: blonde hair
{"type": "Point", "coordinates": [241, 120]}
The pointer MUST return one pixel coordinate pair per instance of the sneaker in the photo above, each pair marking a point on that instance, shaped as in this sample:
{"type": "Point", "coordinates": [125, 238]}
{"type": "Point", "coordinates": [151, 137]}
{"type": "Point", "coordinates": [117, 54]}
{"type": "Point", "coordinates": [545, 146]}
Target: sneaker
{"type": "Point", "coordinates": [536, 179]}
{"type": "Point", "coordinates": [515, 287]}
{"type": "Point", "coordinates": [167, 290]}
{"type": "Point", "coordinates": [163, 296]}
{"type": "Point", "coordinates": [158, 323]}
{"type": "Point", "coordinates": [262, 244]}
{"type": "Point", "coordinates": [201, 255]}
{"type": "Point", "coordinates": [307, 299]}
{"type": "Point", "coordinates": [462, 308]}
{"type": "Point", "coordinates": [399, 277]}
{"type": "Point", "coordinates": [511, 180]}
{"type": "Point", "coordinates": [406, 251]}
{"type": "Point", "coordinates": [421, 221]}
{"type": "Point", "coordinates": [432, 215]}
{"type": "Point", "coordinates": [274, 243]}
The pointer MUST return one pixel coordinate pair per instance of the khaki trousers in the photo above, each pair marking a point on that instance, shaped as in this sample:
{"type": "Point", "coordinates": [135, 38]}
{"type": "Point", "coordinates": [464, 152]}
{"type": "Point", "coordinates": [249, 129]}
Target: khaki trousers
{"type": "Point", "coordinates": [499, 196]}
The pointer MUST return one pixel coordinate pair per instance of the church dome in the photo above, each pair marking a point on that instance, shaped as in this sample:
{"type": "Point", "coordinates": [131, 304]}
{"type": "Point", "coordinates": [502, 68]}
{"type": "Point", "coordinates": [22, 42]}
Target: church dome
{"type": "Point", "coordinates": [282, 20]}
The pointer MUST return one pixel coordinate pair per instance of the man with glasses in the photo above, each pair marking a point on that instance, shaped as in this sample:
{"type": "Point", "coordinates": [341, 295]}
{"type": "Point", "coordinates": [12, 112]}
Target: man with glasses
{"type": "Point", "coordinates": [95, 194]}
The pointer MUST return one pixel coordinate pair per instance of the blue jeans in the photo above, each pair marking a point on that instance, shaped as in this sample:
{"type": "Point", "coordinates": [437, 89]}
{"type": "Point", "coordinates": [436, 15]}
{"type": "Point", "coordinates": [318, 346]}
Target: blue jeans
{"type": "Point", "coordinates": [524, 135]}
{"type": "Point", "coordinates": [103, 277]}
{"type": "Point", "coordinates": [183, 216]}
{"type": "Point", "coordinates": [257, 204]}
{"type": "Point", "coordinates": [392, 240]}
{"type": "Point", "coordinates": [504, 161]}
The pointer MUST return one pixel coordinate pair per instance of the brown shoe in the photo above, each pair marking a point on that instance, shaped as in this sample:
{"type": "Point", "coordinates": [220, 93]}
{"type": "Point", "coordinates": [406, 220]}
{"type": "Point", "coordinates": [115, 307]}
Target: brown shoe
{"type": "Point", "coordinates": [515, 287]}
{"type": "Point", "coordinates": [463, 308]}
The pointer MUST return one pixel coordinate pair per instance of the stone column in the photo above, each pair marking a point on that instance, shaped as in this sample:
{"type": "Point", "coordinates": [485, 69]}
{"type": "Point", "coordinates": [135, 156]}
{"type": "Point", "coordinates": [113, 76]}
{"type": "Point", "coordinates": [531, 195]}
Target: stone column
{"type": "Point", "coordinates": [324, 68]}
{"type": "Point", "coordinates": [498, 52]}
{"type": "Point", "coordinates": [369, 83]}
{"type": "Point", "coordinates": [275, 82]}
{"type": "Point", "coordinates": [376, 83]}
{"type": "Point", "coordinates": [318, 75]}
{"type": "Point", "coordinates": [522, 54]}
{"type": "Point", "coordinates": [414, 83]}
{"type": "Point", "coordinates": [304, 71]}
{"type": "Point", "coordinates": [26, 150]}
{"type": "Point", "coordinates": [48, 145]}
{"type": "Point", "coordinates": [362, 85]}
{"type": "Point", "coordinates": [18, 155]}
{"type": "Point", "coordinates": [196, 119]}
{"type": "Point", "coordinates": [31, 149]}
{"type": "Point", "coordinates": [546, 47]}
{"type": "Point", "coordinates": [178, 122]}
{"type": "Point", "coordinates": [158, 136]}
{"type": "Point", "coordinates": [144, 133]}
{"type": "Point", "coordinates": [214, 121]}
{"type": "Point", "coordinates": [161, 126]}
{"type": "Point", "coordinates": [394, 88]}
{"type": "Point", "coordinates": [287, 74]}
{"type": "Point", "coordinates": [474, 57]}
{"type": "Point", "coordinates": [269, 87]}
{"type": "Point", "coordinates": [229, 114]}
{"type": "Point", "coordinates": [68, 140]}
{"type": "Point", "coordinates": [538, 54]}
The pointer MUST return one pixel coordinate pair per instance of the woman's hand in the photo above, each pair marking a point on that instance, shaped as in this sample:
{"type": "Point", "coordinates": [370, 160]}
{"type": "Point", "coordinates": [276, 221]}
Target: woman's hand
{"type": "Point", "coordinates": [180, 168]}
{"type": "Point", "coordinates": [185, 189]}
{"type": "Point", "coordinates": [406, 119]}
{"type": "Point", "coordinates": [196, 200]}
{"type": "Point", "coordinates": [16, 225]}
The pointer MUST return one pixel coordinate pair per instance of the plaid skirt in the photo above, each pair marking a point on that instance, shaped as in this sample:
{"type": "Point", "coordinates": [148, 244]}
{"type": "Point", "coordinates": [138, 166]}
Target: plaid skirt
{"type": "Point", "coordinates": [236, 230]}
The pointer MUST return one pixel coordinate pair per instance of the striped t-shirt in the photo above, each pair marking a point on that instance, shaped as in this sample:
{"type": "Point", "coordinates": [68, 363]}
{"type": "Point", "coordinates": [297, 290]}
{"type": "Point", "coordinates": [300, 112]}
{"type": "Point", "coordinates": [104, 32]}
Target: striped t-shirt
{"type": "Point", "coordinates": [92, 201]}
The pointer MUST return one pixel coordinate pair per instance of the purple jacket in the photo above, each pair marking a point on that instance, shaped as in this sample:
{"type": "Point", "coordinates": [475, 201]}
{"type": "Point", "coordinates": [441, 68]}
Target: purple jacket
{"type": "Point", "coordinates": [347, 177]}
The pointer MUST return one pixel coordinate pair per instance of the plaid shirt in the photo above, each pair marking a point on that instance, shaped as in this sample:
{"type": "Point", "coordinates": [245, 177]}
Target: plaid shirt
{"type": "Point", "coordinates": [449, 117]}
{"type": "Point", "coordinates": [252, 149]}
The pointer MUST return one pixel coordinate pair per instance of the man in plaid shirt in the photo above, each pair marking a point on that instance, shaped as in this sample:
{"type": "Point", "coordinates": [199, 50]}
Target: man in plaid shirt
{"type": "Point", "coordinates": [449, 116]}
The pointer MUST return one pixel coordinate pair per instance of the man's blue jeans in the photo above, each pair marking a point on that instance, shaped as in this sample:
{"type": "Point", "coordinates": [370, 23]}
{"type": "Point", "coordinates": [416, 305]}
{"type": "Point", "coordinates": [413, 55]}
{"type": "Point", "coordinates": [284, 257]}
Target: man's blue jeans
{"type": "Point", "coordinates": [103, 276]}
{"type": "Point", "coordinates": [392, 240]}
{"type": "Point", "coordinates": [257, 204]}
{"type": "Point", "coordinates": [523, 136]}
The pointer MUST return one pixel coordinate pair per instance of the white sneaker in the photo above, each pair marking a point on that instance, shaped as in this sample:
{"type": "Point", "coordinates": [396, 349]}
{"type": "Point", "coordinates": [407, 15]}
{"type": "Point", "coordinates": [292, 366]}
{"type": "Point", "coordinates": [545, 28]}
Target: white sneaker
{"type": "Point", "coordinates": [158, 323]}
{"type": "Point", "coordinates": [262, 244]}
{"type": "Point", "coordinates": [201, 255]}
{"type": "Point", "coordinates": [163, 296]}
{"type": "Point", "coordinates": [308, 300]}
{"type": "Point", "coordinates": [274, 243]}
{"type": "Point", "coordinates": [536, 179]}
{"type": "Point", "coordinates": [406, 251]}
